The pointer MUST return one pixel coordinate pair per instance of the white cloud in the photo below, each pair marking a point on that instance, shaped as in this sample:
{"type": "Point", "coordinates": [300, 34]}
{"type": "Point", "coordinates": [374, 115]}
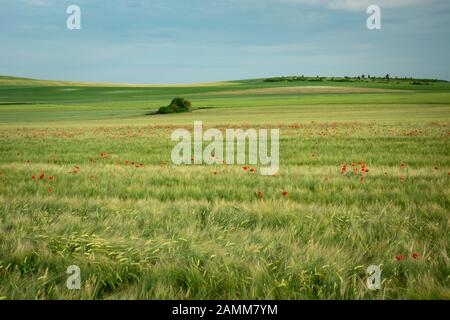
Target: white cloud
{"type": "Point", "coordinates": [36, 3]}
{"type": "Point", "coordinates": [361, 5]}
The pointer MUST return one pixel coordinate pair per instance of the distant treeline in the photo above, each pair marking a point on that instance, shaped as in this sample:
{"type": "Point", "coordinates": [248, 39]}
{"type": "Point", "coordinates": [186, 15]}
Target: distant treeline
{"type": "Point", "coordinates": [361, 78]}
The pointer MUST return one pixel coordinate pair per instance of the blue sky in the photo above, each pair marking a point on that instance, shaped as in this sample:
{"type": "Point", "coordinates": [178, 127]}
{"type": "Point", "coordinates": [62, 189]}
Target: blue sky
{"type": "Point", "coordinates": [185, 41]}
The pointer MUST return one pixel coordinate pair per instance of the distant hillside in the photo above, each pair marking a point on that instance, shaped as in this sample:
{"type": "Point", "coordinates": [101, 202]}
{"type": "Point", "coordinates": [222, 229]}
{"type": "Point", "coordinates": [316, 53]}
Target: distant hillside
{"type": "Point", "coordinates": [19, 81]}
{"type": "Point", "coordinates": [386, 82]}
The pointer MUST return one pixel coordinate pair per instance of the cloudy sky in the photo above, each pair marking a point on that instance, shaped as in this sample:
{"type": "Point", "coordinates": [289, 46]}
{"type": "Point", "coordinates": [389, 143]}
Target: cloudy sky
{"type": "Point", "coordinates": [183, 41]}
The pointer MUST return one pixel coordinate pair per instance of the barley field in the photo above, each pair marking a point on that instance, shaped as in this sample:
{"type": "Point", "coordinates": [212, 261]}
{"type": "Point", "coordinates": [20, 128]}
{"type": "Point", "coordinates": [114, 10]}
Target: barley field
{"type": "Point", "coordinates": [86, 179]}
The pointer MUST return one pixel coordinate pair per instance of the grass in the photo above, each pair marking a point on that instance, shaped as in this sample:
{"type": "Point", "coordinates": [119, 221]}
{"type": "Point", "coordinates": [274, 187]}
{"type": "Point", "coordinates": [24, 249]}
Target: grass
{"type": "Point", "coordinates": [182, 232]}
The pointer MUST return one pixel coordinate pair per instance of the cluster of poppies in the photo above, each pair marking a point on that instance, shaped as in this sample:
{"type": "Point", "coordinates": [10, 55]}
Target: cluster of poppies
{"type": "Point", "coordinates": [132, 163]}
{"type": "Point", "coordinates": [414, 255]}
{"type": "Point", "coordinates": [50, 180]}
{"type": "Point", "coordinates": [251, 170]}
{"type": "Point", "coordinates": [357, 169]}
{"type": "Point", "coordinates": [75, 169]}
{"type": "Point", "coordinates": [260, 194]}
{"type": "Point", "coordinates": [104, 155]}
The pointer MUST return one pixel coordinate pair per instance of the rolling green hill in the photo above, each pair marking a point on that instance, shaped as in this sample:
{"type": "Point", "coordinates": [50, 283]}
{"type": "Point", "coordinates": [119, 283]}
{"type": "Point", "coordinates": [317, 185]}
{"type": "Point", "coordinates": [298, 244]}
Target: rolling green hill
{"type": "Point", "coordinates": [25, 100]}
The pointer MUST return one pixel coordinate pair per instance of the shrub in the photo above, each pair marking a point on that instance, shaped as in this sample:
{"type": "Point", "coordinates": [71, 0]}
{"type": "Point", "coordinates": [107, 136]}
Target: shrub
{"type": "Point", "coordinates": [176, 106]}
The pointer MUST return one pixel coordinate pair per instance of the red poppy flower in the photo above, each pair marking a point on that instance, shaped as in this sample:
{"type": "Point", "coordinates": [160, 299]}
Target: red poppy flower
{"type": "Point", "coordinates": [33, 177]}
{"type": "Point", "coordinates": [400, 258]}
{"type": "Point", "coordinates": [360, 163]}
{"type": "Point", "coordinates": [42, 176]}
{"type": "Point", "coordinates": [285, 193]}
{"type": "Point", "coordinates": [126, 162]}
{"type": "Point", "coordinates": [50, 190]}
{"type": "Point", "coordinates": [51, 178]}
{"type": "Point", "coordinates": [245, 168]}
{"type": "Point", "coordinates": [260, 194]}
{"type": "Point", "coordinates": [252, 169]}
{"type": "Point", "coordinates": [415, 255]}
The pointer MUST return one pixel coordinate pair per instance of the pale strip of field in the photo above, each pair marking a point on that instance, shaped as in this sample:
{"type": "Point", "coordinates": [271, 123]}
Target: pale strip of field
{"type": "Point", "coordinates": [306, 89]}
{"type": "Point", "coordinates": [32, 82]}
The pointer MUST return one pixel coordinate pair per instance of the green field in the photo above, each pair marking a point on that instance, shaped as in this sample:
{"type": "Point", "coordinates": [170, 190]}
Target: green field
{"type": "Point", "coordinates": [161, 231]}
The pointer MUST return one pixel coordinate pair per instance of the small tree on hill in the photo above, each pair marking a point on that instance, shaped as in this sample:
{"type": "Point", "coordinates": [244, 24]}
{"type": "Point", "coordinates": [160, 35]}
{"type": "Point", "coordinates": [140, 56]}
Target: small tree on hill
{"type": "Point", "coordinates": [177, 105]}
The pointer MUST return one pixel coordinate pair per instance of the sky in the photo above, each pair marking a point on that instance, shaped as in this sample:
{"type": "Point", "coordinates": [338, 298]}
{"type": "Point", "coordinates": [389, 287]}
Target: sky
{"type": "Point", "coordinates": [189, 41]}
